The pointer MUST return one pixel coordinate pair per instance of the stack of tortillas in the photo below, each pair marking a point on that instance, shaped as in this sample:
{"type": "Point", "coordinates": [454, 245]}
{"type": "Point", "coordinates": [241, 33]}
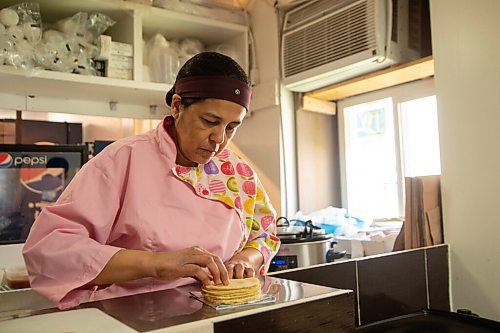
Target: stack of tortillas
{"type": "Point", "coordinates": [237, 291]}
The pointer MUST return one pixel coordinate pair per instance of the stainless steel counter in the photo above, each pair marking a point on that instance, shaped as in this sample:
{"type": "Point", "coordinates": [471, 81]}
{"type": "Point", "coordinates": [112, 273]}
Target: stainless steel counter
{"type": "Point", "coordinates": [298, 306]}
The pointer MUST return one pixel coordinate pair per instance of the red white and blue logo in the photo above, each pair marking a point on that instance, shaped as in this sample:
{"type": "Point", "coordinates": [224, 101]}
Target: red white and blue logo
{"type": "Point", "coordinates": [5, 160]}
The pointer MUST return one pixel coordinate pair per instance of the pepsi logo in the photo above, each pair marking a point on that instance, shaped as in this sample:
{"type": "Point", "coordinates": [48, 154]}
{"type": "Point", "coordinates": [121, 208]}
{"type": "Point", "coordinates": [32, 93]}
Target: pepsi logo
{"type": "Point", "coordinates": [5, 160]}
{"type": "Point", "coordinates": [30, 160]}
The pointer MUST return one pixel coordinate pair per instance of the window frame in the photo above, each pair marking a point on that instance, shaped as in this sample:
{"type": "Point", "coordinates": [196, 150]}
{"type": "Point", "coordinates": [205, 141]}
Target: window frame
{"type": "Point", "coordinates": [399, 94]}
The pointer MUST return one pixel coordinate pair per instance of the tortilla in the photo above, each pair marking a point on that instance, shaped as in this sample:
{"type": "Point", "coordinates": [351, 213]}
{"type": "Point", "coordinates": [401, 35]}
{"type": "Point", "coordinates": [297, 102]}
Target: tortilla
{"type": "Point", "coordinates": [238, 291]}
{"type": "Point", "coordinates": [235, 284]}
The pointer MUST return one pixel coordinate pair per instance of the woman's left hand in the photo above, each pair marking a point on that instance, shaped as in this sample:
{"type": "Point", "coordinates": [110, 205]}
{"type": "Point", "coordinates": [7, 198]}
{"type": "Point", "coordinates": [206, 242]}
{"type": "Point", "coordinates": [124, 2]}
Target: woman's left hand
{"type": "Point", "coordinates": [244, 263]}
{"type": "Point", "coordinates": [239, 269]}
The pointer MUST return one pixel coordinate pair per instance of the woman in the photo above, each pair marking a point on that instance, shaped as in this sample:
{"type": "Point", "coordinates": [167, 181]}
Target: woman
{"type": "Point", "coordinates": [156, 210]}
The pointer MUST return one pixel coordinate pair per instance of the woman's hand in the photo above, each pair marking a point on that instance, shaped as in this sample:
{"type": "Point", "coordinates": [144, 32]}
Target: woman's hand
{"type": "Point", "coordinates": [244, 263]}
{"type": "Point", "coordinates": [239, 269]}
{"type": "Point", "coordinates": [190, 262]}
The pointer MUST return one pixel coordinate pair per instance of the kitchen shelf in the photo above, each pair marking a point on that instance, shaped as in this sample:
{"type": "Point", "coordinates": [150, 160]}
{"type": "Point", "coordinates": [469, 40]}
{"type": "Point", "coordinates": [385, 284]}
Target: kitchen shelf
{"type": "Point", "coordinates": [50, 91]}
{"type": "Point", "coordinates": [35, 83]}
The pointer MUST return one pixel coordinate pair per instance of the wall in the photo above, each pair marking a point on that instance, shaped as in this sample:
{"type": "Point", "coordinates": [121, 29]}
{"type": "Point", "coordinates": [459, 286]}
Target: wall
{"type": "Point", "coordinates": [466, 47]}
{"type": "Point", "coordinates": [318, 161]}
{"type": "Point", "coordinates": [258, 138]}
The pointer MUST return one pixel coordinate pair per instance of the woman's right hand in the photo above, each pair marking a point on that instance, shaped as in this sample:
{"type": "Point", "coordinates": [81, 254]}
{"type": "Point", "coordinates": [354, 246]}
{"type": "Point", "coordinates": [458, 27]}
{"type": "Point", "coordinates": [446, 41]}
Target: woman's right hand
{"type": "Point", "coordinates": [190, 262]}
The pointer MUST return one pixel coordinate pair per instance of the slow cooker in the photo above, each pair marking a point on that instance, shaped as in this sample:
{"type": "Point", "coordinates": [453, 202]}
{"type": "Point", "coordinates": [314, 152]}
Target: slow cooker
{"type": "Point", "coordinates": [301, 246]}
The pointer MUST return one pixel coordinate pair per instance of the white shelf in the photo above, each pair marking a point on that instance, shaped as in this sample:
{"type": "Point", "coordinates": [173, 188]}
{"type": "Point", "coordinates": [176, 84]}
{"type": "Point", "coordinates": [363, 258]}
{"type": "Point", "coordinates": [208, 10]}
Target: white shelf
{"type": "Point", "coordinates": [173, 25]}
{"type": "Point", "coordinates": [73, 86]}
{"type": "Point", "coordinates": [48, 91]}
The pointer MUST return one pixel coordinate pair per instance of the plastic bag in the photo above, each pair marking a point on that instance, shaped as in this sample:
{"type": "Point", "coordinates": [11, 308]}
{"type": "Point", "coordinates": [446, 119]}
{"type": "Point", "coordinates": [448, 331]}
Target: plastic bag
{"type": "Point", "coordinates": [333, 220]}
{"type": "Point", "coordinates": [70, 46]}
{"type": "Point", "coordinates": [163, 60]}
{"type": "Point", "coordinates": [330, 215]}
{"type": "Point", "coordinates": [20, 32]}
{"type": "Point", "coordinates": [189, 47]}
{"type": "Point", "coordinates": [85, 25]}
{"type": "Point", "coordinates": [226, 49]}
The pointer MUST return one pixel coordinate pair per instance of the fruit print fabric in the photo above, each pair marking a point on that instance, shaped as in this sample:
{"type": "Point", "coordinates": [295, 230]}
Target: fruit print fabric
{"type": "Point", "coordinates": [229, 179]}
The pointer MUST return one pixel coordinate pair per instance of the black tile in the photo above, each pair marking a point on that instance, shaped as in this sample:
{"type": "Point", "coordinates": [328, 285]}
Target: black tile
{"type": "Point", "coordinates": [391, 285]}
{"type": "Point", "coordinates": [336, 275]}
{"type": "Point", "coordinates": [438, 278]}
{"type": "Point", "coordinates": [340, 275]}
{"type": "Point", "coordinates": [333, 314]}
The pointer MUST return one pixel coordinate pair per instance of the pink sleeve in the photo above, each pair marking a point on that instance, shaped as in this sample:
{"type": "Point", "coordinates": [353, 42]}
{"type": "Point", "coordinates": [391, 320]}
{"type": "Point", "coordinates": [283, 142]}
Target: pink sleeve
{"type": "Point", "coordinates": [66, 247]}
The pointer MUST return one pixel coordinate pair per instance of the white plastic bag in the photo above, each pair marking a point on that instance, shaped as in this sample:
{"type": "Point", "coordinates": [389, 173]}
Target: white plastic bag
{"type": "Point", "coordinates": [188, 48]}
{"type": "Point", "coordinates": [20, 27]}
{"type": "Point", "coordinates": [330, 215]}
{"type": "Point", "coordinates": [163, 60]}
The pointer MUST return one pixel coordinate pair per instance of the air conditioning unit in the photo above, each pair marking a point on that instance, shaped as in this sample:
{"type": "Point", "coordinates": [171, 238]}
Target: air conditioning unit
{"type": "Point", "coordinates": [329, 41]}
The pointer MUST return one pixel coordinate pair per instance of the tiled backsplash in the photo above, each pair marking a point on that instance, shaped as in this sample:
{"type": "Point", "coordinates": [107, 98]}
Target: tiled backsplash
{"type": "Point", "coordinates": [387, 285]}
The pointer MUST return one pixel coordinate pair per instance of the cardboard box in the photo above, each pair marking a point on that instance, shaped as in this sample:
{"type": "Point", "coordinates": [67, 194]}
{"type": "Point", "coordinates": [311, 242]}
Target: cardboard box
{"type": "Point", "coordinates": [122, 49]}
{"type": "Point", "coordinates": [378, 244]}
{"type": "Point", "coordinates": [117, 73]}
{"type": "Point", "coordinates": [108, 47]}
{"type": "Point", "coordinates": [104, 44]}
{"type": "Point", "coordinates": [120, 62]}
{"type": "Point", "coordinates": [352, 246]}
{"type": "Point", "coordinates": [423, 221]}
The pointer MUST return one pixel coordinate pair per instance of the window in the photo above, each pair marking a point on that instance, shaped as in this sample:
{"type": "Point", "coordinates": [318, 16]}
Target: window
{"type": "Point", "coordinates": [385, 137]}
{"type": "Point", "coordinates": [419, 131]}
{"type": "Point", "coordinates": [371, 172]}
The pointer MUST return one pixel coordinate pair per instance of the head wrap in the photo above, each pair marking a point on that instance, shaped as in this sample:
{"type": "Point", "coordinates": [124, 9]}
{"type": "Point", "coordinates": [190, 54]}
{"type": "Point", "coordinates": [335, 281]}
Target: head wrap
{"type": "Point", "coordinates": [220, 87]}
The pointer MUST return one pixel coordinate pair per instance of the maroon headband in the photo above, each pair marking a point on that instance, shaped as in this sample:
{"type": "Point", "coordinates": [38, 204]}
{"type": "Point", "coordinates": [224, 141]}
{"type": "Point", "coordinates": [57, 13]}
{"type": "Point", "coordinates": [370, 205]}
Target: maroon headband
{"type": "Point", "coordinates": [220, 87]}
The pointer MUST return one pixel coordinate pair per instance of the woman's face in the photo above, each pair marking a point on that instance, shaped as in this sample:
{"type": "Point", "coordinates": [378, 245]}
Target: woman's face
{"type": "Point", "coordinates": [205, 128]}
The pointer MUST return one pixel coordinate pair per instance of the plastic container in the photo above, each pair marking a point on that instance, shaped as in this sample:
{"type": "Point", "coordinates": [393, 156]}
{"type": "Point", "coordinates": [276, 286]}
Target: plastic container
{"type": "Point", "coordinates": [17, 277]}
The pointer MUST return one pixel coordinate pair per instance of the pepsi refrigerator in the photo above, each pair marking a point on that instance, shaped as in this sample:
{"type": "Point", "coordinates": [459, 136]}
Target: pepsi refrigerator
{"type": "Point", "coordinates": [31, 178]}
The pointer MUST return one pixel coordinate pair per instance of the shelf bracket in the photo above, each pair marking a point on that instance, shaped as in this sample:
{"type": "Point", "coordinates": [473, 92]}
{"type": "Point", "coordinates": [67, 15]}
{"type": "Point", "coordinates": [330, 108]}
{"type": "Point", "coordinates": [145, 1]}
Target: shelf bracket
{"type": "Point", "coordinates": [153, 109]}
{"type": "Point", "coordinates": [113, 106]}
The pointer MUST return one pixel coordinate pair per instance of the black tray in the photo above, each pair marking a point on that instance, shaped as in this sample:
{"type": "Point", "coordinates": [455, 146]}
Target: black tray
{"type": "Point", "coordinates": [427, 321]}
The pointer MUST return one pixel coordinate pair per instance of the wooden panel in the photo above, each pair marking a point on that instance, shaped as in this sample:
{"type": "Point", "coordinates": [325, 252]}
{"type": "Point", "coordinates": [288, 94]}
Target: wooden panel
{"type": "Point", "coordinates": [415, 70]}
{"type": "Point", "coordinates": [318, 105]}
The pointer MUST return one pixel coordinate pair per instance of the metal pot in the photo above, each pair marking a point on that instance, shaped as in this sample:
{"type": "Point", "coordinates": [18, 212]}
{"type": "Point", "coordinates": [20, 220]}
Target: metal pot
{"type": "Point", "coordinates": [285, 230]}
{"type": "Point", "coordinates": [306, 246]}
